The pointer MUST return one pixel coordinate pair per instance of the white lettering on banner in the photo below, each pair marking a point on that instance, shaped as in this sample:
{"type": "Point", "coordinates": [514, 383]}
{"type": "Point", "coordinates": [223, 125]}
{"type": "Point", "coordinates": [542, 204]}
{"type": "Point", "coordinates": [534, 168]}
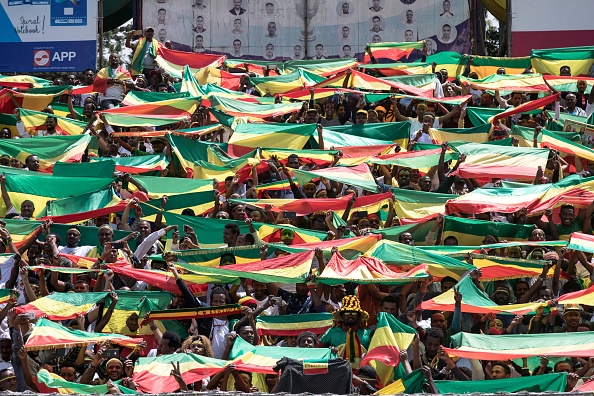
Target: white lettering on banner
{"type": "Point", "coordinates": [61, 56]}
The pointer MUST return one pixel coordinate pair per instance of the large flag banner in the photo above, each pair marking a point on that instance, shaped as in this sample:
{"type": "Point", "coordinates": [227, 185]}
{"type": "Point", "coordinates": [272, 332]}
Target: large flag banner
{"type": "Point", "coordinates": [293, 325]}
{"type": "Point", "coordinates": [392, 51]}
{"type": "Point", "coordinates": [555, 382]}
{"type": "Point", "coordinates": [512, 346]}
{"type": "Point", "coordinates": [49, 335]}
{"type": "Point", "coordinates": [153, 374]}
{"type": "Point", "coordinates": [391, 336]}
{"type": "Point", "coordinates": [61, 306]}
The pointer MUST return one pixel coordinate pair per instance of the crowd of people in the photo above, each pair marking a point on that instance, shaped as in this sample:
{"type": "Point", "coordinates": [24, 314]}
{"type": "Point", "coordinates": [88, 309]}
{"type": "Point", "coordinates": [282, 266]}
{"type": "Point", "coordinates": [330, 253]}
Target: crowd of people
{"type": "Point", "coordinates": [263, 211]}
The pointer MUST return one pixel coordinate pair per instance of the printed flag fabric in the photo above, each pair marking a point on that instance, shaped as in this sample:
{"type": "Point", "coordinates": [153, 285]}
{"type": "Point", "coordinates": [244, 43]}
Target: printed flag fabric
{"type": "Point", "coordinates": [366, 270]}
{"type": "Point", "coordinates": [153, 374]}
{"type": "Point", "coordinates": [413, 206]}
{"type": "Point", "coordinates": [581, 242]}
{"type": "Point", "coordinates": [525, 107]}
{"type": "Point", "coordinates": [61, 306]}
{"type": "Point", "coordinates": [292, 268]}
{"type": "Point", "coordinates": [417, 159]}
{"type": "Point", "coordinates": [485, 66]}
{"type": "Point", "coordinates": [411, 383]}
{"type": "Point", "coordinates": [86, 206]}
{"type": "Point", "coordinates": [504, 82]}
{"type": "Point", "coordinates": [133, 98]}
{"type": "Point", "coordinates": [364, 81]}
{"type": "Point", "coordinates": [286, 82]}
{"type": "Point", "coordinates": [491, 161]}
{"type": "Point", "coordinates": [200, 202]}
{"type": "Point", "coordinates": [306, 206]}
{"type": "Point", "coordinates": [391, 336]}
{"type": "Point", "coordinates": [568, 83]}
{"type": "Point", "coordinates": [35, 121]}
{"type": "Point", "coordinates": [49, 335]}
{"type": "Point", "coordinates": [211, 75]}
{"type": "Point", "coordinates": [471, 232]}
{"type": "Point", "coordinates": [173, 62]}
{"type": "Point", "coordinates": [573, 190]}
{"type": "Point", "coordinates": [392, 51]}
{"type": "Point", "coordinates": [52, 383]}
{"type": "Point", "coordinates": [33, 99]}
{"type": "Point", "coordinates": [153, 114]}
{"type": "Point", "coordinates": [320, 67]}
{"type": "Point", "coordinates": [211, 230]}
{"type": "Point", "coordinates": [194, 313]}
{"type": "Point", "coordinates": [475, 300]}
{"type": "Point", "coordinates": [512, 346]}
{"type": "Point", "coordinates": [402, 256]}
{"type": "Point", "coordinates": [399, 68]}
{"type": "Point", "coordinates": [293, 325]}
{"type": "Point", "coordinates": [161, 279]}
{"type": "Point", "coordinates": [357, 176]}
{"type": "Point", "coordinates": [261, 359]}
{"type": "Point", "coordinates": [554, 141]}
{"type": "Point", "coordinates": [501, 268]}
{"type": "Point", "coordinates": [251, 110]}
{"type": "Point", "coordinates": [49, 149]}
{"type": "Point", "coordinates": [159, 186]}
{"type": "Point", "coordinates": [555, 382]}
{"type": "Point", "coordinates": [284, 136]}
{"type": "Point", "coordinates": [107, 73]}
{"type": "Point", "coordinates": [138, 164]}
{"type": "Point", "coordinates": [550, 61]}
{"type": "Point", "coordinates": [384, 133]}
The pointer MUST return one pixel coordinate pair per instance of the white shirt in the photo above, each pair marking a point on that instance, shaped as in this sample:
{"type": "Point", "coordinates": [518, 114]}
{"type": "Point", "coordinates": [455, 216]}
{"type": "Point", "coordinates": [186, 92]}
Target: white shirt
{"type": "Point", "coordinates": [219, 331]}
{"type": "Point", "coordinates": [76, 251]}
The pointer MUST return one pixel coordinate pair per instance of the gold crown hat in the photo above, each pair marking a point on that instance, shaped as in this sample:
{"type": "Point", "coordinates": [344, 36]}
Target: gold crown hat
{"type": "Point", "coordinates": [571, 308]}
{"type": "Point", "coordinates": [352, 303]}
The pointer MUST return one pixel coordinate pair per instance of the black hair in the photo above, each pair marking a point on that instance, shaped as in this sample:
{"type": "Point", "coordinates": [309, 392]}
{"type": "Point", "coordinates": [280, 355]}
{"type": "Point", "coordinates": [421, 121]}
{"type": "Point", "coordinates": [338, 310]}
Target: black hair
{"type": "Point", "coordinates": [173, 338]}
{"type": "Point", "coordinates": [188, 212]}
{"type": "Point", "coordinates": [389, 299]}
{"type": "Point", "coordinates": [434, 333]}
{"type": "Point", "coordinates": [220, 290]}
{"type": "Point", "coordinates": [233, 227]}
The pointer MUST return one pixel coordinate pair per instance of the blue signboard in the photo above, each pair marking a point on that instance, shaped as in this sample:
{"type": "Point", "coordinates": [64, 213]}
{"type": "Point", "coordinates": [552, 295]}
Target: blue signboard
{"type": "Point", "coordinates": [48, 35]}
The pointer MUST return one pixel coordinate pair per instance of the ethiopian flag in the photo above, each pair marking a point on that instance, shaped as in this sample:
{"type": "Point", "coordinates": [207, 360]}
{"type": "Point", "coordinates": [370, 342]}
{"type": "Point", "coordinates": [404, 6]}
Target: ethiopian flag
{"type": "Point", "coordinates": [261, 359]}
{"type": "Point", "coordinates": [392, 51]}
{"type": "Point", "coordinates": [554, 382]}
{"type": "Point", "coordinates": [153, 374]}
{"type": "Point", "coordinates": [358, 176]}
{"type": "Point", "coordinates": [321, 67]}
{"type": "Point", "coordinates": [210, 231]}
{"type": "Point", "coordinates": [254, 111]}
{"type": "Point", "coordinates": [554, 141]}
{"type": "Point", "coordinates": [163, 280]}
{"type": "Point", "coordinates": [513, 346]}
{"type": "Point", "coordinates": [485, 66]}
{"type": "Point", "coordinates": [411, 383]}
{"type": "Point", "coordinates": [33, 99]}
{"type": "Point", "coordinates": [490, 161]}
{"type": "Point", "coordinates": [581, 242]}
{"type": "Point", "coordinates": [475, 300]}
{"type": "Point", "coordinates": [391, 336]}
{"type": "Point", "coordinates": [399, 68]}
{"type": "Point", "coordinates": [52, 383]}
{"type": "Point", "coordinates": [413, 206]}
{"type": "Point", "coordinates": [504, 82]}
{"type": "Point", "coordinates": [138, 164]}
{"type": "Point", "coordinates": [35, 120]}
{"type": "Point", "coordinates": [364, 270]}
{"type": "Point", "coordinates": [49, 149]}
{"type": "Point", "coordinates": [213, 75]}
{"type": "Point", "coordinates": [568, 83]}
{"type": "Point", "coordinates": [292, 268]}
{"type": "Point", "coordinates": [173, 62]}
{"type": "Point", "coordinates": [501, 268]}
{"type": "Point", "coordinates": [273, 135]}
{"type": "Point", "coordinates": [61, 306]}
{"type": "Point", "coordinates": [49, 335]}
{"type": "Point", "coordinates": [471, 232]}
{"type": "Point", "coordinates": [284, 83]}
{"type": "Point", "coordinates": [364, 81]}
{"type": "Point", "coordinates": [550, 61]}
{"type": "Point", "coordinates": [107, 73]}
{"type": "Point", "coordinates": [153, 114]}
{"type": "Point", "coordinates": [293, 325]}
{"type": "Point", "coordinates": [159, 186]}
{"type": "Point", "coordinates": [401, 257]}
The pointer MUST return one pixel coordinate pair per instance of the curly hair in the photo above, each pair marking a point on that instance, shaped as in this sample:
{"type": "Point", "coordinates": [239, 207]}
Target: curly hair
{"type": "Point", "coordinates": [206, 346]}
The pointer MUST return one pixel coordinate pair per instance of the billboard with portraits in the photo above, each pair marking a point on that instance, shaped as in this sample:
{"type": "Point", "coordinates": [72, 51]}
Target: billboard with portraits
{"type": "Point", "coordinates": [289, 29]}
